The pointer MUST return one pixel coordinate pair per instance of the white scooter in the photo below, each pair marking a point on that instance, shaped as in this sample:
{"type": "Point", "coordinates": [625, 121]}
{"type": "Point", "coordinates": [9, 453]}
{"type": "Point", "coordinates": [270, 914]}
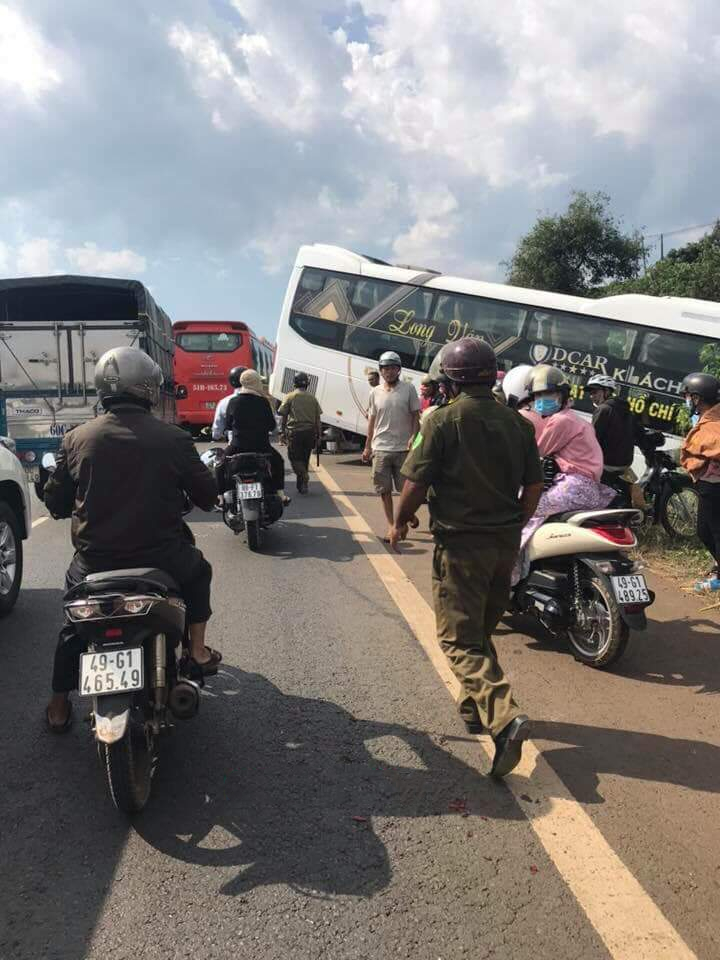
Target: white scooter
{"type": "Point", "coordinates": [582, 584]}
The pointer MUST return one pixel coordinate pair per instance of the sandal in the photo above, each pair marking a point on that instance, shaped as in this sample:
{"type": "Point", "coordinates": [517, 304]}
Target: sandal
{"type": "Point", "coordinates": [209, 668]}
{"type": "Point", "coordinates": [59, 727]}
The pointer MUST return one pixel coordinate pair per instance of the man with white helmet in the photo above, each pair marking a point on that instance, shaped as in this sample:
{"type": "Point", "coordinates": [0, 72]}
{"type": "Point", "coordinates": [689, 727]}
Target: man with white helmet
{"type": "Point", "coordinates": [616, 428]}
{"type": "Point", "coordinates": [393, 419]}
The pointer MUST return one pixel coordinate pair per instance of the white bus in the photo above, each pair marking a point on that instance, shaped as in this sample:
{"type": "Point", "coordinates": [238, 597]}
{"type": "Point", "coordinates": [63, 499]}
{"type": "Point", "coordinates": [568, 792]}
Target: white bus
{"type": "Point", "coordinates": [342, 310]}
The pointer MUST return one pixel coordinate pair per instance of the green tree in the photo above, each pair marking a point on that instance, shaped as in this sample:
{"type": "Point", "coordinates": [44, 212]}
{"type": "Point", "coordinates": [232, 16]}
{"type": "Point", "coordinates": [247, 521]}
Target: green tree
{"type": "Point", "coordinates": [577, 251]}
{"type": "Point", "coordinates": [690, 271]}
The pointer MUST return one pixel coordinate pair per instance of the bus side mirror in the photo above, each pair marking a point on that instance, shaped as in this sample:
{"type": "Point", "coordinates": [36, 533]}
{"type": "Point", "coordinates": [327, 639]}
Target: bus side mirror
{"type": "Point", "coordinates": [181, 393]}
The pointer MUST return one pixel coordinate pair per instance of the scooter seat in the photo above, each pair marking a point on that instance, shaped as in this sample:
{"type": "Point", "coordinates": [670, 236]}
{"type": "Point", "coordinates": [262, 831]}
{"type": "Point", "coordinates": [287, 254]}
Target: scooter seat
{"type": "Point", "coordinates": [136, 578]}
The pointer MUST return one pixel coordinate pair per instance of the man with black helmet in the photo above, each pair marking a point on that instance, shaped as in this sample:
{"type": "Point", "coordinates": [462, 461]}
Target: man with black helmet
{"type": "Point", "coordinates": [219, 427]}
{"type": "Point", "coordinates": [301, 413]}
{"type": "Point", "coordinates": [122, 477]}
{"type": "Point", "coordinates": [700, 456]}
{"type": "Point", "coordinates": [477, 462]}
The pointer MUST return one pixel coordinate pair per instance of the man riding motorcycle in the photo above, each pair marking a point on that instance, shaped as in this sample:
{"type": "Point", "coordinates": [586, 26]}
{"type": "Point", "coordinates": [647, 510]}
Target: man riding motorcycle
{"type": "Point", "coordinates": [123, 478]}
{"type": "Point", "coordinates": [616, 429]}
{"type": "Point", "coordinates": [219, 427]}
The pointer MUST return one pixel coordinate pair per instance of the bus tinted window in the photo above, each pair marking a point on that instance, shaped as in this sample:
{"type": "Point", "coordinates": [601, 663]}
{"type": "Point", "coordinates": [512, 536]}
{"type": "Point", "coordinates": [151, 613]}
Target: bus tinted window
{"type": "Point", "coordinates": [209, 342]}
{"type": "Point", "coordinates": [589, 334]}
{"type": "Point", "coordinates": [675, 351]}
{"type": "Point", "coordinates": [459, 316]}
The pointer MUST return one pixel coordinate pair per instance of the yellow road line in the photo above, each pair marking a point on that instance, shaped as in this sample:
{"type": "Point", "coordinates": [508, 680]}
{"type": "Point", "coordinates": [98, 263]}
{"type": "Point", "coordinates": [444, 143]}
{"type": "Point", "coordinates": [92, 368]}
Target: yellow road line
{"type": "Point", "coordinates": [36, 523]}
{"type": "Point", "coordinates": [621, 911]}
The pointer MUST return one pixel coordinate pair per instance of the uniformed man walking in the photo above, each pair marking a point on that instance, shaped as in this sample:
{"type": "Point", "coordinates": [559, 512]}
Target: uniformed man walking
{"type": "Point", "coordinates": [478, 465]}
{"type": "Point", "coordinates": [301, 414]}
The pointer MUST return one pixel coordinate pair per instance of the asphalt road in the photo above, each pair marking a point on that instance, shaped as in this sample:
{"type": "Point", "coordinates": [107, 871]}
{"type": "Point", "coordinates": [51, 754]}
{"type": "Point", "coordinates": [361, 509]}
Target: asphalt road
{"type": "Point", "coordinates": [327, 802]}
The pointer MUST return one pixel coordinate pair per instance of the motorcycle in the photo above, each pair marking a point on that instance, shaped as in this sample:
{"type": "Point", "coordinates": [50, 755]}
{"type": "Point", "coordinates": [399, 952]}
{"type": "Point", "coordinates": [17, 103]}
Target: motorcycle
{"type": "Point", "coordinates": [583, 586]}
{"type": "Point", "coordinates": [251, 504]}
{"type": "Point", "coordinates": [670, 497]}
{"type": "Point", "coordinates": [136, 671]}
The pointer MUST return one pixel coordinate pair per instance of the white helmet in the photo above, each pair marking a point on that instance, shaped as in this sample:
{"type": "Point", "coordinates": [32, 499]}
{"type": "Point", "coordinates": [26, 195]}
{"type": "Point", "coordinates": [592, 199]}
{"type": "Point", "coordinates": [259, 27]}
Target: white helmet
{"type": "Point", "coordinates": [390, 359]}
{"type": "Point", "coordinates": [514, 384]}
{"type": "Point", "coordinates": [602, 380]}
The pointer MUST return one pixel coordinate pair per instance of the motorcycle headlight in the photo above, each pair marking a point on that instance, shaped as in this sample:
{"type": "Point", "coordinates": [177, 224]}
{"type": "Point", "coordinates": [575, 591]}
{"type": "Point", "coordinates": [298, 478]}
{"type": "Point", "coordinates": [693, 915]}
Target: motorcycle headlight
{"type": "Point", "coordinates": [138, 606]}
{"type": "Point", "coordinates": [80, 610]}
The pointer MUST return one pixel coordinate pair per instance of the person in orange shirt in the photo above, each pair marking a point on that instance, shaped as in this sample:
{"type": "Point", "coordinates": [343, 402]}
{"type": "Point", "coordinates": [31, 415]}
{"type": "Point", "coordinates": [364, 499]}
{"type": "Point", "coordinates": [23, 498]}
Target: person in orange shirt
{"type": "Point", "coordinates": [700, 456]}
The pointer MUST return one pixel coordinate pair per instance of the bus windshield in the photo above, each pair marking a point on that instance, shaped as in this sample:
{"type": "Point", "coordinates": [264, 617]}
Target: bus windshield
{"type": "Point", "coordinates": [209, 342]}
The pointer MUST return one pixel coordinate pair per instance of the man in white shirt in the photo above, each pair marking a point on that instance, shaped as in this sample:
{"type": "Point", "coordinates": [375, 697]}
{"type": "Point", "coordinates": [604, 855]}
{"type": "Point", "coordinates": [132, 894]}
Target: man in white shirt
{"type": "Point", "coordinates": [220, 420]}
{"type": "Point", "coordinates": [393, 418]}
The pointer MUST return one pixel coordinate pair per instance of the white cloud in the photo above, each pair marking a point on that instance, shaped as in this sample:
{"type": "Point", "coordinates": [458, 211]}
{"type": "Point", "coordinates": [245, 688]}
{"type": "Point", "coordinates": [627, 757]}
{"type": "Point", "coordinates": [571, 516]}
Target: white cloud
{"type": "Point", "coordinates": [37, 257]}
{"type": "Point", "coordinates": [89, 259]}
{"type": "Point", "coordinates": [27, 62]}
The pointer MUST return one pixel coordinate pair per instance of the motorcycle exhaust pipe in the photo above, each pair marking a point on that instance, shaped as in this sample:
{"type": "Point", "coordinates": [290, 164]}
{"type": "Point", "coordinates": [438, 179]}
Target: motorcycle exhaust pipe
{"type": "Point", "coordinates": [184, 699]}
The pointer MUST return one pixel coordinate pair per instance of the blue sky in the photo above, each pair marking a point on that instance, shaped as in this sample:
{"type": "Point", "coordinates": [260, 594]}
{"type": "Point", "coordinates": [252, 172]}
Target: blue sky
{"type": "Point", "coordinates": [195, 144]}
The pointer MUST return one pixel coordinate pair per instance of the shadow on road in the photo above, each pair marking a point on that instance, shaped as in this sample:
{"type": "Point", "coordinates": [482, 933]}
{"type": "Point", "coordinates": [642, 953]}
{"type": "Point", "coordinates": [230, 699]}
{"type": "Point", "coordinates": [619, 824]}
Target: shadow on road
{"type": "Point", "coordinates": [639, 756]}
{"type": "Point", "coordinates": [61, 837]}
{"type": "Point", "coordinates": [280, 789]}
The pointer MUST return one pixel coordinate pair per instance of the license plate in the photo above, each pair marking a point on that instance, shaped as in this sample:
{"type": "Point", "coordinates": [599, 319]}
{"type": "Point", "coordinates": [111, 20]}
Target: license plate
{"type": "Point", "coordinates": [250, 491]}
{"type": "Point", "coordinates": [32, 474]}
{"type": "Point", "coordinates": [112, 671]}
{"type": "Point", "coordinates": [631, 589]}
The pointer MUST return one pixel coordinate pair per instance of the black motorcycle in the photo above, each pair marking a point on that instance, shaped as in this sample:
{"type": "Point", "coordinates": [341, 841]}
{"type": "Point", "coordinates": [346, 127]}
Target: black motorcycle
{"type": "Point", "coordinates": [250, 504]}
{"type": "Point", "coordinates": [134, 672]}
{"type": "Point", "coordinates": [670, 496]}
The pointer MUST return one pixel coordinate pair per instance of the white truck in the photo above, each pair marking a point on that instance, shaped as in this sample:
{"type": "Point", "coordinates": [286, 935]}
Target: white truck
{"type": "Point", "coordinates": [15, 524]}
{"type": "Point", "coordinates": [53, 330]}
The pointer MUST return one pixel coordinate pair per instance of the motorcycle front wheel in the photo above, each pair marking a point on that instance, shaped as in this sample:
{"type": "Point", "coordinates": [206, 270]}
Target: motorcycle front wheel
{"type": "Point", "coordinates": [600, 636]}
{"type": "Point", "coordinates": [129, 766]}
{"type": "Point", "coordinates": [678, 511]}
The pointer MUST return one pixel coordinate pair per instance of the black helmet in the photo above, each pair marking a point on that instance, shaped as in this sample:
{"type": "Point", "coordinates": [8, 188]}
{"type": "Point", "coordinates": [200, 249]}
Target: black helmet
{"type": "Point", "coordinates": [234, 376]}
{"type": "Point", "coordinates": [704, 385]}
{"type": "Point", "coordinates": [126, 373]}
{"type": "Point", "coordinates": [301, 379]}
{"type": "Point", "coordinates": [470, 360]}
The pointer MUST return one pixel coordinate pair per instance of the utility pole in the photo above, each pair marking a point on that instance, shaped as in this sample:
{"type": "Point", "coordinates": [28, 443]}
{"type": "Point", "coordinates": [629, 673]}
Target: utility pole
{"type": "Point", "coordinates": [662, 247]}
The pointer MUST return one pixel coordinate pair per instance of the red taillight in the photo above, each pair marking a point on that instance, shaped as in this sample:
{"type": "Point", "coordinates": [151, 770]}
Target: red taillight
{"type": "Point", "coordinates": [622, 536]}
{"type": "Point", "coordinates": [115, 632]}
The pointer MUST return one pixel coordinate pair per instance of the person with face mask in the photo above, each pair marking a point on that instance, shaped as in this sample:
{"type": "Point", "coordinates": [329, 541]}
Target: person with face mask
{"type": "Point", "coordinates": [700, 456]}
{"type": "Point", "coordinates": [570, 442]}
{"type": "Point", "coordinates": [517, 396]}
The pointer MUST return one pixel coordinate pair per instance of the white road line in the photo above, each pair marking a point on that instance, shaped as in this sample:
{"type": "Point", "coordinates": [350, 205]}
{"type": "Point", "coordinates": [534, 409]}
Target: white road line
{"type": "Point", "coordinates": [36, 523]}
{"type": "Point", "coordinates": [621, 911]}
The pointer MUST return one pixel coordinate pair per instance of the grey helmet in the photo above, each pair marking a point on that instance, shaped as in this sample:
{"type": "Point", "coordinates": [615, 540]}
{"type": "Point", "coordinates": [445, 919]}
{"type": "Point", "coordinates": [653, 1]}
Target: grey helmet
{"type": "Point", "coordinates": [389, 359]}
{"type": "Point", "coordinates": [126, 373]}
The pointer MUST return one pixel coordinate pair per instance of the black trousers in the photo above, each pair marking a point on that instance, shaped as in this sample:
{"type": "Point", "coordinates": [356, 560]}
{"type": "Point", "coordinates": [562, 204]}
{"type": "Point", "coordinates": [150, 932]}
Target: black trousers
{"type": "Point", "coordinates": [301, 443]}
{"type": "Point", "coordinates": [185, 564]}
{"type": "Point", "coordinates": [708, 519]}
{"type": "Point", "coordinates": [277, 468]}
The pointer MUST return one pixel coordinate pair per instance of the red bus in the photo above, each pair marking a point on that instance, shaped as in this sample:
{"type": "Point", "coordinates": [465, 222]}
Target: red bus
{"type": "Point", "coordinates": [205, 352]}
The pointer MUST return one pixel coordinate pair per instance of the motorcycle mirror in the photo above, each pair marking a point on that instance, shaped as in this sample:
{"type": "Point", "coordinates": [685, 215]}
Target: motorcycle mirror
{"type": "Point", "coordinates": [49, 463]}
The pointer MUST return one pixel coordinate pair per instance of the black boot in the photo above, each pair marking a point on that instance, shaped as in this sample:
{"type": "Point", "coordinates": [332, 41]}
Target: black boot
{"type": "Point", "coordinates": [508, 746]}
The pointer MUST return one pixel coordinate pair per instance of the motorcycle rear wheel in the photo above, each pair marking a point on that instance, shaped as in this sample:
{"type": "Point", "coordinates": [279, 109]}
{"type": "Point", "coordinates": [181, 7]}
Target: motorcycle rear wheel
{"type": "Point", "coordinates": [129, 766]}
{"type": "Point", "coordinates": [601, 641]}
{"type": "Point", "coordinates": [678, 512]}
{"type": "Point", "coordinates": [252, 528]}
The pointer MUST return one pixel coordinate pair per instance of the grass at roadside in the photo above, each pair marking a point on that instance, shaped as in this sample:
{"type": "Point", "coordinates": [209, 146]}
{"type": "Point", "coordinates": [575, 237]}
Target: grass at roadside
{"type": "Point", "coordinates": [683, 562]}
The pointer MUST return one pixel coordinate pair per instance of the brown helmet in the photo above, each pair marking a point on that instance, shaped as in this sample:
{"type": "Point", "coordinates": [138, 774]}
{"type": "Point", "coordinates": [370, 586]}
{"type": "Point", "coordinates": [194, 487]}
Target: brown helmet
{"type": "Point", "coordinates": [470, 360]}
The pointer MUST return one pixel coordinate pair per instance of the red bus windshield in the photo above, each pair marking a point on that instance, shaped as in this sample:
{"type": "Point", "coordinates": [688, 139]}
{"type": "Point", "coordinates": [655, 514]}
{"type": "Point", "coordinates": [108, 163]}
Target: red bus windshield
{"type": "Point", "coordinates": [205, 353]}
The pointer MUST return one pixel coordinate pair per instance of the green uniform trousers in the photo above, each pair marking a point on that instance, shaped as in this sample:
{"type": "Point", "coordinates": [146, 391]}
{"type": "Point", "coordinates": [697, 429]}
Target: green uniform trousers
{"type": "Point", "coordinates": [471, 586]}
{"type": "Point", "coordinates": [301, 443]}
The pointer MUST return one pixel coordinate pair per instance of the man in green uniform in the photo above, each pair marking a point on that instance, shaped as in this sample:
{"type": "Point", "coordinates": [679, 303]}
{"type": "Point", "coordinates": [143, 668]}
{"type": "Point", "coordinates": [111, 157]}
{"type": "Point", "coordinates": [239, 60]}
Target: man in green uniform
{"type": "Point", "coordinates": [300, 414]}
{"type": "Point", "coordinates": [478, 465]}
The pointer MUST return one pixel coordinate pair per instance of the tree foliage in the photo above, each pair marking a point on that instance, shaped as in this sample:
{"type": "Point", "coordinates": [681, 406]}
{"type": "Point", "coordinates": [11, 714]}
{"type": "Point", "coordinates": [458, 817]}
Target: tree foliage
{"type": "Point", "coordinates": [690, 271]}
{"type": "Point", "coordinates": [577, 251]}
